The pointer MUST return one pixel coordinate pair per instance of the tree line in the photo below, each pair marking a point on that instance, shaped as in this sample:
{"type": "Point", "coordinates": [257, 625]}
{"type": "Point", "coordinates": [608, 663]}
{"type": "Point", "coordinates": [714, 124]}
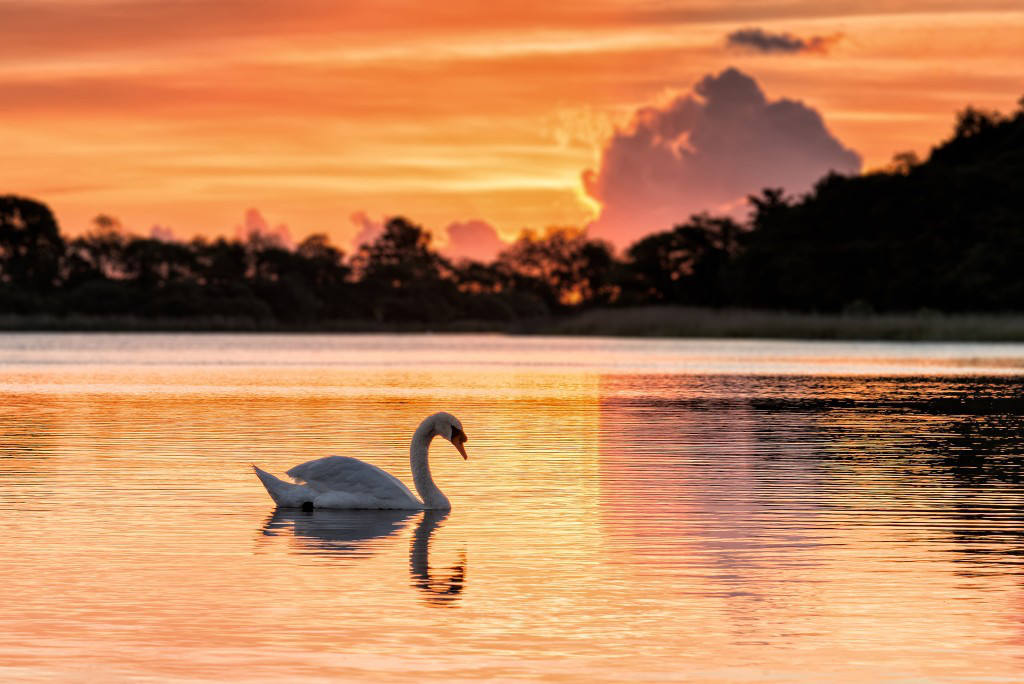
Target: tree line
{"type": "Point", "coordinates": [945, 233]}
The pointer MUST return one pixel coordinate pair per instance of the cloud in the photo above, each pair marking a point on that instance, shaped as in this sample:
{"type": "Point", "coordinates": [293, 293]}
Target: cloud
{"type": "Point", "coordinates": [762, 41]}
{"type": "Point", "coordinates": [255, 226]}
{"type": "Point", "coordinates": [706, 151]}
{"type": "Point", "coordinates": [475, 239]}
{"type": "Point", "coordinates": [369, 229]}
{"type": "Point", "coordinates": [162, 233]}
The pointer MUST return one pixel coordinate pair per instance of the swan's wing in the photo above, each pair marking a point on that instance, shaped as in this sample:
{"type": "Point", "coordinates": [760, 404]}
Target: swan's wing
{"type": "Point", "coordinates": [362, 484]}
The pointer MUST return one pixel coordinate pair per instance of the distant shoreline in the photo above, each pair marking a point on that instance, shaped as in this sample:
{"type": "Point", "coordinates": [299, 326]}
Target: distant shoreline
{"type": "Point", "coordinates": [626, 322]}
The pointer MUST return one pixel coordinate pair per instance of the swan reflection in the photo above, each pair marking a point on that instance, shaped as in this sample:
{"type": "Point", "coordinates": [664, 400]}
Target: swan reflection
{"type": "Point", "coordinates": [437, 589]}
{"type": "Point", "coordinates": [336, 532]}
{"type": "Point", "coordinates": [355, 533]}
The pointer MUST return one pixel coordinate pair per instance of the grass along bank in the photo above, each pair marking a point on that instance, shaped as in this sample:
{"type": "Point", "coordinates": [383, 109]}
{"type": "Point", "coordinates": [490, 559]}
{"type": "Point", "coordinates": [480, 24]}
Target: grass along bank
{"type": "Point", "coordinates": [696, 322]}
{"type": "Point", "coordinates": [626, 322]}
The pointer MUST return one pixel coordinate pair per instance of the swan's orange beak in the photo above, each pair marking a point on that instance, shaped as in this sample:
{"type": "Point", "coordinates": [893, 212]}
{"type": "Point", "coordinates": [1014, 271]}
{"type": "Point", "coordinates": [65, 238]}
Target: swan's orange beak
{"type": "Point", "coordinates": [458, 442]}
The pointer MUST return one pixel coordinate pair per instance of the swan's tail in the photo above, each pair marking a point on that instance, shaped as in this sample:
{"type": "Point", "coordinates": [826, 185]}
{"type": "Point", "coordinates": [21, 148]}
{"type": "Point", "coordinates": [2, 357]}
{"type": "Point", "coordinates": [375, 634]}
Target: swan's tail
{"type": "Point", "coordinates": [285, 493]}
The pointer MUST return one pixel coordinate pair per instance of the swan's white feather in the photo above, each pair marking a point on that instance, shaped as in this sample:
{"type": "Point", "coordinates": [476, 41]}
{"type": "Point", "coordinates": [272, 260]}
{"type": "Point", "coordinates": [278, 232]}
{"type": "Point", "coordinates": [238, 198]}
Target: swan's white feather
{"type": "Point", "coordinates": [346, 482]}
{"type": "Point", "coordinates": [285, 493]}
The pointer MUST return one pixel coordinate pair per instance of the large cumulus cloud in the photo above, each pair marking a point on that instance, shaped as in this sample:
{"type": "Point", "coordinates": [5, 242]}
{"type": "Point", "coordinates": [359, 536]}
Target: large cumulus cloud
{"type": "Point", "coordinates": [707, 151]}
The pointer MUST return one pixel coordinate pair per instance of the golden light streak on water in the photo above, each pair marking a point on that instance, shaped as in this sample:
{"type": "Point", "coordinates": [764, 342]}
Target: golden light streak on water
{"type": "Point", "coordinates": [661, 510]}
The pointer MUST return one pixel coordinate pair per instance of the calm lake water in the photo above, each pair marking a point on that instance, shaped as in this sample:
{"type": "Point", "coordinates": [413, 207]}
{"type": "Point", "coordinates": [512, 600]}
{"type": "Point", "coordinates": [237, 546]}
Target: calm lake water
{"type": "Point", "coordinates": [632, 510]}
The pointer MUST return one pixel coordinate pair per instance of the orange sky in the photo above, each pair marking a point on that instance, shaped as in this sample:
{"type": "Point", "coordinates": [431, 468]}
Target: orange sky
{"type": "Point", "coordinates": [186, 114]}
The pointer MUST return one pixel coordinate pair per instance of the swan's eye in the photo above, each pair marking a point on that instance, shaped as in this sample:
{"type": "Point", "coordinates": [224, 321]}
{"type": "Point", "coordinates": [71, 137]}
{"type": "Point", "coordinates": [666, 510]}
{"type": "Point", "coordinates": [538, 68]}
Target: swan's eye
{"type": "Point", "coordinates": [458, 435]}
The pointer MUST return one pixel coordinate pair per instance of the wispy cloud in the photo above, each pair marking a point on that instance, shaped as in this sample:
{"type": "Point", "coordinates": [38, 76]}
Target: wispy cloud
{"type": "Point", "coordinates": [759, 40]}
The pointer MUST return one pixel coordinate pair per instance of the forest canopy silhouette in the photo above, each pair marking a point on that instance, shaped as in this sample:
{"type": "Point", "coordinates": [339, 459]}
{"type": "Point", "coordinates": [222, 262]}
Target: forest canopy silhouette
{"type": "Point", "coordinates": [944, 234]}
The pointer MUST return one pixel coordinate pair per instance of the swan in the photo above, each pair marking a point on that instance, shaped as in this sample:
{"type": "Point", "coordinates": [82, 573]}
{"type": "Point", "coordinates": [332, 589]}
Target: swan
{"type": "Point", "coordinates": [346, 482]}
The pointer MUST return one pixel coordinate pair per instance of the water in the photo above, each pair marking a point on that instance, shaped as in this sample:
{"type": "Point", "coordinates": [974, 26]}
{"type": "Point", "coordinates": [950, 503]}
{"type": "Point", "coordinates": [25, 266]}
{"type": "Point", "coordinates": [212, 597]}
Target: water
{"type": "Point", "coordinates": [631, 510]}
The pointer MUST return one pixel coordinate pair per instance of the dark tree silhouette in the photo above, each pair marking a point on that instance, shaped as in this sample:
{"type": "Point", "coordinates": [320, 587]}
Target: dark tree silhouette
{"type": "Point", "coordinates": [220, 262]}
{"type": "Point", "coordinates": [323, 263]}
{"type": "Point", "coordinates": [97, 255]}
{"type": "Point", "coordinates": [402, 279]}
{"type": "Point", "coordinates": [31, 246]}
{"type": "Point", "coordinates": [562, 268]}
{"type": "Point", "coordinates": [686, 265]}
{"type": "Point", "coordinates": [944, 233]}
{"type": "Point", "coordinates": [399, 258]}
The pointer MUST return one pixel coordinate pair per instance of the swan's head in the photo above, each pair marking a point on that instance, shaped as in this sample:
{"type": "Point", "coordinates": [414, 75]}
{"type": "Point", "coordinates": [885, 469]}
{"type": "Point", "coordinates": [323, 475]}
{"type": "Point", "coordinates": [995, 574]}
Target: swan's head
{"type": "Point", "coordinates": [450, 427]}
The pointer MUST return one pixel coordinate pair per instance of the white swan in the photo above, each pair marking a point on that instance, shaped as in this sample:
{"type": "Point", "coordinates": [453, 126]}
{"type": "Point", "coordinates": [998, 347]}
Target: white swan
{"type": "Point", "coordinates": [345, 482]}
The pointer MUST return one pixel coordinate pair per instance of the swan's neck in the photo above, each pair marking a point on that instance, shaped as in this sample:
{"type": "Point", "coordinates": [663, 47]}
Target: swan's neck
{"type": "Point", "coordinates": [433, 498]}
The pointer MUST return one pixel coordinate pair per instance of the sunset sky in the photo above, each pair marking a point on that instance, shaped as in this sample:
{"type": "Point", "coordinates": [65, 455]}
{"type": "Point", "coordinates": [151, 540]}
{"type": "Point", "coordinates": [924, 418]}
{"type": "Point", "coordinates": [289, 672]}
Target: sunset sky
{"type": "Point", "coordinates": [322, 116]}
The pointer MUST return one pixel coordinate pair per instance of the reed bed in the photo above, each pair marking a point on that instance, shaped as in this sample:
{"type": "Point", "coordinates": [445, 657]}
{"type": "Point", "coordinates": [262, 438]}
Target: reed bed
{"type": "Point", "coordinates": [694, 322]}
{"type": "Point", "coordinates": [626, 322]}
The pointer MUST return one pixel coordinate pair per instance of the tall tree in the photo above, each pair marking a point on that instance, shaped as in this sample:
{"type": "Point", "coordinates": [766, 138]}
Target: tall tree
{"type": "Point", "coordinates": [402, 278]}
{"type": "Point", "coordinates": [324, 264]}
{"type": "Point", "coordinates": [685, 265]}
{"type": "Point", "coordinates": [561, 266]}
{"type": "Point", "coordinates": [941, 234]}
{"type": "Point", "coordinates": [399, 258]}
{"type": "Point", "coordinates": [97, 255]}
{"type": "Point", "coordinates": [31, 246]}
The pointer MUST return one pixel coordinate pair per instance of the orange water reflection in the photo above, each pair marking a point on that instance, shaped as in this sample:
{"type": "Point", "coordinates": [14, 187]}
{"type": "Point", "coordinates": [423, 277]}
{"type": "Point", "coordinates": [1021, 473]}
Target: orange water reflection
{"type": "Point", "coordinates": [608, 524]}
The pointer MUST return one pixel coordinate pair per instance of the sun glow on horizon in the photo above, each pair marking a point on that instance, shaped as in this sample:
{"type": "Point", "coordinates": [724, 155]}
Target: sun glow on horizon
{"type": "Point", "coordinates": [441, 116]}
